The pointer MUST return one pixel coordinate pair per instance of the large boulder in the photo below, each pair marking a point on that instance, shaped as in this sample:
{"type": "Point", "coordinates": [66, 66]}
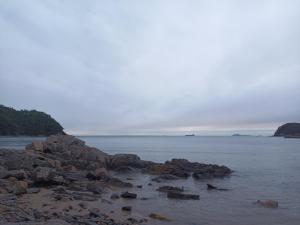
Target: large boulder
{"type": "Point", "coordinates": [69, 151]}
{"type": "Point", "coordinates": [17, 160]}
{"type": "Point", "coordinates": [119, 161]}
{"type": "Point", "coordinates": [47, 176]}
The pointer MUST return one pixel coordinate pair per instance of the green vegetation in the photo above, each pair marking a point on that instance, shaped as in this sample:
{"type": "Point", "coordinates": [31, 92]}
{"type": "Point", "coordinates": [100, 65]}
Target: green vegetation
{"type": "Point", "coordinates": [24, 122]}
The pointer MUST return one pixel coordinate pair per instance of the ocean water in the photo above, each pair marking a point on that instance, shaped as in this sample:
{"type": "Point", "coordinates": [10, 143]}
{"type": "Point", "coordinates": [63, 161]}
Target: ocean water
{"type": "Point", "coordinates": [264, 168]}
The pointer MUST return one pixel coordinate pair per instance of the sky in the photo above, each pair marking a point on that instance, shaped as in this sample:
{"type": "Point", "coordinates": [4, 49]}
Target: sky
{"type": "Point", "coordinates": [153, 67]}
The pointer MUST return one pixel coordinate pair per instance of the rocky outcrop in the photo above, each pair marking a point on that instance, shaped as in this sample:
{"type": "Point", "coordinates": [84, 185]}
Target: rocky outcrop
{"type": "Point", "coordinates": [288, 130]}
{"type": "Point", "coordinates": [182, 168]}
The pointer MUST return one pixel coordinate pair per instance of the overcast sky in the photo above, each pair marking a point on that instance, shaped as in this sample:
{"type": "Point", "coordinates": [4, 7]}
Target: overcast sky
{"type": "Point", "coordinates": [153, 67]}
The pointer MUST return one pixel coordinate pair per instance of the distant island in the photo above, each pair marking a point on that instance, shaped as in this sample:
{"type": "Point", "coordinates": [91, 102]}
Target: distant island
{"type": "Point", "coordinates": [189, 135]}
{"type": "Point", "coordinates": [288, 130]}
{"type": "Point", "coordinates": [29, 123]}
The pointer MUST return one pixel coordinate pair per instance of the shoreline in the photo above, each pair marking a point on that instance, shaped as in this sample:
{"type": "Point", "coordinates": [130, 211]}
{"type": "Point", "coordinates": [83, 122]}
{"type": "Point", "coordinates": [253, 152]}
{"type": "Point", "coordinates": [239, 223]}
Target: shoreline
{"type": "Point", "coordinates": [90, 182]}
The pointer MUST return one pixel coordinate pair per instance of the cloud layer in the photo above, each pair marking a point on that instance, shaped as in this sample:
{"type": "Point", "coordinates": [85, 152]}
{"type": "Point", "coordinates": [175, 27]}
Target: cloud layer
{"type": "Point", "coordinates": [125, 67]}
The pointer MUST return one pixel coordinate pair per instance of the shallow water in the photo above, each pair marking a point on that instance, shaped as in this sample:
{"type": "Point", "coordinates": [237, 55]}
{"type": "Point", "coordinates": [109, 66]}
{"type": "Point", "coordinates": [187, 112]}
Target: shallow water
{"type": "Point", "coordinates": [265, 168]}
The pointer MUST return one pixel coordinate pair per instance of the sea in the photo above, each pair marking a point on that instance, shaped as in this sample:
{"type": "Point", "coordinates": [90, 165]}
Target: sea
{"type": "Point", "coordinates": [264, 168]}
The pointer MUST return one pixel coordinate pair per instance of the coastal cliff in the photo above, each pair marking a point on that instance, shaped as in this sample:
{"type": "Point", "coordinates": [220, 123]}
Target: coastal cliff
{"type": "Point", "coordinates": [288, 130]}
{"type": "Point", "coordinates": [29, 123]}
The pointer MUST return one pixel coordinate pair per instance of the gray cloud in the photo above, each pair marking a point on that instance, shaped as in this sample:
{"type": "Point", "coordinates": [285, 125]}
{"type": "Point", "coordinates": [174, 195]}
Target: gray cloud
{"type": "Point", "coordinates": [120, 67]}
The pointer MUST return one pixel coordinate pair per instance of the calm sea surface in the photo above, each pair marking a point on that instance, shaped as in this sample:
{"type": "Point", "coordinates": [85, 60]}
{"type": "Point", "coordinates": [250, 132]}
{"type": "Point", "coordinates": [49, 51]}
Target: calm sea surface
{"type": "Point", "coordinates": [265, 168]}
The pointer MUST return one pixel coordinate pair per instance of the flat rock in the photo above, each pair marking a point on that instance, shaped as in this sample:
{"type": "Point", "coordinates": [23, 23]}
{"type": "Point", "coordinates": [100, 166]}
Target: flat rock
{"type": "Point", "coordinates": [128, 195]}
{"type": "Point", "coordinates": [169, 189]}
{"type": "Point", "coordinates": [177, 195]}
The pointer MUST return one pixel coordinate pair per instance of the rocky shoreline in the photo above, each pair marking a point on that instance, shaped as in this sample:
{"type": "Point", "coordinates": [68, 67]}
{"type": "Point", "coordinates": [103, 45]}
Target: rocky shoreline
{"type": "Point", "coordinates": [63, 181]}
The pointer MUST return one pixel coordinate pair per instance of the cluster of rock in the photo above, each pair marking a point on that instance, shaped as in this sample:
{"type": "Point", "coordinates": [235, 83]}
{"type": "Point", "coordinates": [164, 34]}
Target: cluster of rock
{"type": "Point", "coordinates": [74, 171]}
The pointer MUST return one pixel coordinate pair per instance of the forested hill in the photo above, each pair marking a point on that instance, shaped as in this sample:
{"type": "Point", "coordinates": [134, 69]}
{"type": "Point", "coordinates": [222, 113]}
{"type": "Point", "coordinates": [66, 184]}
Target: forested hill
{"type": "Point", "coordinates": [25, 122]}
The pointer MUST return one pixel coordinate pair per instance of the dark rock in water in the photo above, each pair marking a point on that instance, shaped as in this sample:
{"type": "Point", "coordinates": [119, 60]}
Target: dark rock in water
{"type": "Point", "coordinates": [117, 182]}
{"type": "Point", "coordinates": [164, 177]}
{"type": "Point", "coordinates": [168, 177]}
{"type": "Point", "coordinates": [128, 195]}
{"type": "Point", "coordinates": [114, 196]}
{"type": "Point", "coordinates": [124, 169]}
{"type": "Point", "coordinates": [124, 161]}
{"type": "Point", "coordinates": [182, 168]}
{"type": "Point", "coordinates": [288, 130]}
{"type": "Point", "coordinates": [126, 208]}
{"type": "Point", "coordinates": [211, 187]}
{"type": "Point", "coordinates": [211, 171]}
{"type": "Point", "coordinates": [169, 189]}
{"type": "Point", "coordinates": [95, 188]}
{"type": "Point", "coordinates": [139, 186]}
{"type": "Point", "coordinates": [182, 196]}
{"type": "Point", "coordinates": [268, 203]}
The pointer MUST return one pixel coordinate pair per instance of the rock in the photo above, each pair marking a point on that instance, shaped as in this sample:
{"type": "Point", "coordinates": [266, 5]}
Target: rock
{"type": "Point", "coordinates": [3, 172]}
{"type": "Point", "coordinates": [74, 176]}
{"type": "Point", "coordinates": [82, 205]}
{"type": "Point", "coordinates": [163, 169]}
{"type": "Point", "coordinates": [47, 176]}
{"type": "Point", "coordinates": [36, 146]}
{"type": "Point", "coordinates": [71, 151]}
{"type": "Point", "coordinates": [158, 217]}
{"type": "Point", "coordinates": [98, 174]}
{"type": "Point", "coordinates": [211, 171]}
{"type": "Point", "coordinates": [95, 188]}
{"type": "Point", "coordinates": [169, 189]}
{"type": "Point", "coordinates": [125, 161]}
{"type": "Point", "coordinates": [18, 174]}
{"type": "Point", "coordinates": [168, 177]}
{"type": "Point", "coordinates": [124, 169]}
{"type": "Point", "coordinates": [182, 196]}
{"type": "Point", "coordinates": [211, 187]}
{"type": "Point", "coordinates": [139, 186]}
{"type": "Point", "coordinates": [127, 208]}
{"type": "Point", "coordinates": [118, 183]}
{"type": "Point", "coordinates": [128, 195]}
{"type": "Point", "coordinates": [114, 196]}
{"type": "Point", "coordinates": [288, 130]}
{"type": "Point", "coordinates": [268, 203]}
{"type": "Point", "coordinates": [94, 212]}
{"type": "Point", "coordinates": [20, 187]}
{"type": "Point", "coordinates": [33, 190]}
